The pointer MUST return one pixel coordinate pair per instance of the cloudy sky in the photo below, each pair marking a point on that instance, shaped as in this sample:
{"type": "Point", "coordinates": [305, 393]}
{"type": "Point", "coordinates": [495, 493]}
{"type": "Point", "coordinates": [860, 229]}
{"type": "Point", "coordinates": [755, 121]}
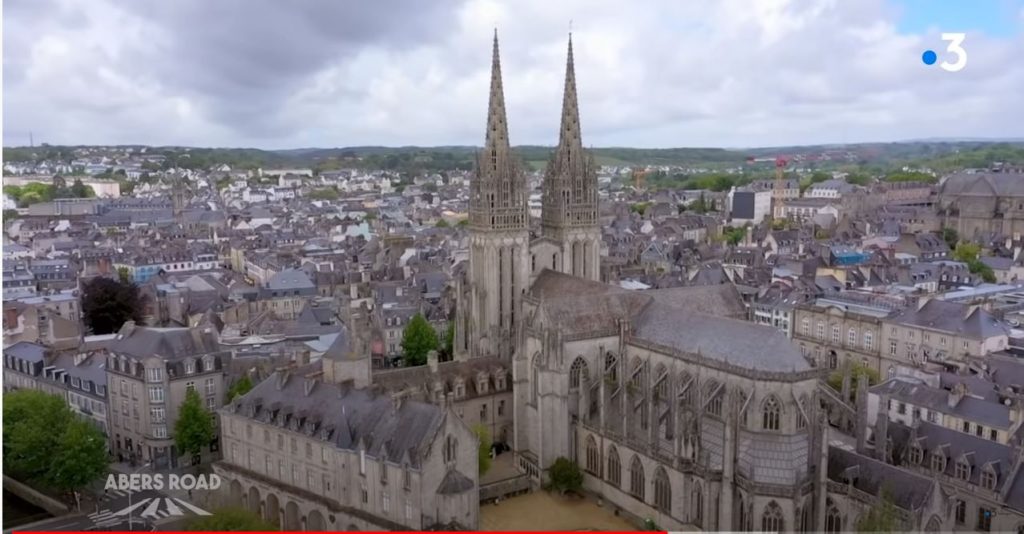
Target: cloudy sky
{"type": "Point", "coordinates": [734, 73]}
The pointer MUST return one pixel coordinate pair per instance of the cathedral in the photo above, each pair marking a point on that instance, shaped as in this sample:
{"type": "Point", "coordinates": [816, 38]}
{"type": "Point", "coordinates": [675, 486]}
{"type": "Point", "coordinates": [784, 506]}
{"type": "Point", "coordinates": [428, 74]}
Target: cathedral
{"type": "Point", "coordinates": [676, 408]}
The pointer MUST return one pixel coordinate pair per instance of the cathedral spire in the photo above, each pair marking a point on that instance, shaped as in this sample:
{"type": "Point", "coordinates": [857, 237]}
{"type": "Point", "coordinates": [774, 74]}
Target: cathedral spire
{"type": "Point", "coordinates": [497, 124]}
{"type": "Point", "coordinates": [570, 131]}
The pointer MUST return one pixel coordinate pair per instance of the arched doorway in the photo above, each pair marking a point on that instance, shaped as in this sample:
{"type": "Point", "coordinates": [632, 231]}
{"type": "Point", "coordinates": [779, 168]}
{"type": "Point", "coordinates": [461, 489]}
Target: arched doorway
{"type": "Point", "coordinates": [315, 521]}
{"type": "Point", "coordinates": [291, 517]}
{"type": "Point", "coordinates": [272, 511]}
{"type": "Point", "coordinates": [236, 495]}
{"type": "Point", "coordinates": [254, 500]}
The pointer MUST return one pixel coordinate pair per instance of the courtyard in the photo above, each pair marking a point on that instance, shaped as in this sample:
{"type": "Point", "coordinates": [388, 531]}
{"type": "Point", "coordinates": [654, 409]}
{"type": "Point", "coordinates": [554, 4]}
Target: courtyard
{"type": "Point", "coordinates": [541, 510]}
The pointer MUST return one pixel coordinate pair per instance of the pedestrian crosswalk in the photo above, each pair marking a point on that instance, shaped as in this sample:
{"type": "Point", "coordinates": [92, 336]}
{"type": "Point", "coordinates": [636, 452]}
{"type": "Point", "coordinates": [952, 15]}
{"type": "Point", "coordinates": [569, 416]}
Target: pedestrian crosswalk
{"type": "Point", "coordinates": [152, 508]}
{"type": "Point", "coordinates": [111, 494]}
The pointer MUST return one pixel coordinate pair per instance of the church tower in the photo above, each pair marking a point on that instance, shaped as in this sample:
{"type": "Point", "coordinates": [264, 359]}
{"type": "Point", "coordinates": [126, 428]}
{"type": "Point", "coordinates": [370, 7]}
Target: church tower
{"type": "Point", "coordinates": [499, 238]}
{"type": "Point", "coordinates": [569, 216]}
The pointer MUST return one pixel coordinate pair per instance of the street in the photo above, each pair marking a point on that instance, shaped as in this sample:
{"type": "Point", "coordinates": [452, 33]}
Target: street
{"type": "Point", "coordinates": [147, 508]}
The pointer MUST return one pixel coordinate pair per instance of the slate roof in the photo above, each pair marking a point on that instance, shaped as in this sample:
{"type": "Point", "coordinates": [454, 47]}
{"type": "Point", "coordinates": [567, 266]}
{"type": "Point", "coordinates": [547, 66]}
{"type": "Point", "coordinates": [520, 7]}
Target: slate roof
{"type": "Point", "coordinates": [909, 491]}
{"type": "Point", "coordinates": [731, 341]}
{"type": "Point", "coordinates": [979, 452]}
{"type": "Point", "coordinates": [952, 317]}
{"type": "Point", "coordinates": [167, 343]}
{"type": "Point", "coordinates": [26, 350]}
{"type": "Point", "coordinates": [344, 416]}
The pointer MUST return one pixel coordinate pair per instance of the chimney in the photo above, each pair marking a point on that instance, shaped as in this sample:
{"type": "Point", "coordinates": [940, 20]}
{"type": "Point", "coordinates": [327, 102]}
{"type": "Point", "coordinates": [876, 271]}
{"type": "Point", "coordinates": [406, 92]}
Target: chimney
{"type": "Point", "coordinates": [432, 361]}
{"type": "Point", "coordinates": [956, 395]}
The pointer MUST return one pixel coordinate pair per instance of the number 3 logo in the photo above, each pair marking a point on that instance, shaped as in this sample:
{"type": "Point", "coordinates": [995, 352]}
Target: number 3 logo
{"type": "Point", "coordinates": [955, 40]}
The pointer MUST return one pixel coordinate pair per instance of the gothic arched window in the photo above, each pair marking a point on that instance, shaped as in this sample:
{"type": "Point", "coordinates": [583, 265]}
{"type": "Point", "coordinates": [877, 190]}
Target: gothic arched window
{"type": "Point", "coordinates": [636, 478]}
{"type": "Point", "coordinates": [770, 413]}
{"type": "Point", "coordinates": [771, 520]}
{"type": "Point", "coordinates": [661, 382]}
{"type": "Point", "coordinates": [686, 385]}
{"type": "Point", "coordinates": [578, 373]}
{"type": "Point", "coordinates": [662, 491]}
{"type": "Point", "coordinates": [593, 456]}
{"type": "Point", "coordinates": [713, 398]}
{"type": "Point", "coordinates": [611, 368]}
{"type": "Point", "coordinates": [614, 467]}
{"type": "Point", "coordinates": [833, 519]}
{"type": "Point", "coordinates": [697, 502]}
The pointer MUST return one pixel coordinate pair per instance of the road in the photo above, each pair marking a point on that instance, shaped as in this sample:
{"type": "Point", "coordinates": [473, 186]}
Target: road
{"type": "Point", "coordinates": [147, 508]}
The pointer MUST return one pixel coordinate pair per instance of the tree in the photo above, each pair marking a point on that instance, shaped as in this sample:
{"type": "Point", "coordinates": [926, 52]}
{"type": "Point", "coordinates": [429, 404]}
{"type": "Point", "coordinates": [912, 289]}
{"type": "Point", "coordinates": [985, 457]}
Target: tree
{"type": "Point", "coordinates": [194, 428]}
{"type": "Point", "coordinates": [80, 190]}
{"type": "Point", "coordinates": [966, 252]}
{"type": "Point", "coordinates": [700, 205]}
{"type": "Point", "coordinates": [81, 458]}
{"type": "Point", "coordinates": [107, 304]}
{"type": "Point", "coordinates": [882, 517]}
{"type": "Point", "coordinates": [230, 520]}
{"type": "Point", "coordinates": [565, 475]}
{"type": "Point", "coordinates": [950, 236]}
{"type": "Point", "coordinates": [639, 208]}
{"type": "Point", "coordinates": [484, 450]}
{"type": "Point", "coordinates": [324, 194]}
{"type": "Point", "coordinates": [733, 236]}
{"type": "Point", "coordinates": [240, 387]}
{"type": "Point", "coordinates": [441, 223]}
{"type": "Point", "coordinates": [123, 274]}
{"type": "Point", "coordinates": [462, 223]}
{"type": "Point", "coordinates": [32, 422]}
{"type": "Point", "coordinates": [10, 215]}
{"type": "Point", "coordinates": [835, 380]}
{"type": "Point", "coordinates": [418, 339]}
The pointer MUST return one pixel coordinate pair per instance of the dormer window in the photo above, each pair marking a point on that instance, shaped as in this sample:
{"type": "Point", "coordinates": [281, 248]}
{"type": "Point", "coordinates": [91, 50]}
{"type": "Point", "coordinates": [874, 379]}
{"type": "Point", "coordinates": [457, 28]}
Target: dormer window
{"type": "Point", "coordinates": [499, 382]}
{"type": "Point", "coordinates": [460, 390]}
{"type": "Point", "coordinates": [916, 455]}
{"type": "Point", "coordinates": [190, 367]}
{"type": "Point", "coordinates": [988, 479]}
{"type": "Point", "coordinates": [938, 462]}
{"type": "Point", "coordinates": [207, 363]}
{"type": "Point", "coordinates": [963, 471]}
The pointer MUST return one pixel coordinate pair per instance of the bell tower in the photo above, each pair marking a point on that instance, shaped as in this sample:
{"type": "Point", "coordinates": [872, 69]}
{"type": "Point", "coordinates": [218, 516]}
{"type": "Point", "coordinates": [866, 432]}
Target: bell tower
{"type": "Point", "coordinates": [499, 220]}
{"type": "Point", "coordinates": [570, 213]}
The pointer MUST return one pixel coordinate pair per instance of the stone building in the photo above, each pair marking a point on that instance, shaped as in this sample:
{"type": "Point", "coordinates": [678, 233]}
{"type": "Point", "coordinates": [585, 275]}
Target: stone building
{"type": "Point", "coordinates": [319, 448]}
{"type": "Point", "coordinates": [841, 329]}
{"type": "Point", "coordinates": [149, 371]}
{"type": "Point", "coordinates": [674, 415]}
{"type": "Point", "coordinates": [982, 205]}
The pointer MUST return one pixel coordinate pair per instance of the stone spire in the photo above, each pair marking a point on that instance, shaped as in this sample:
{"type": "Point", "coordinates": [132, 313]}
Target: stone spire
{"type": "Point", "coordinates": [497, 124]}
{"type": "Point", "coordinates": [497, 196]}
{"type": "Point", "coordinates": [569, 205]}
{"type": "Point", "coordinates": [569, 135]}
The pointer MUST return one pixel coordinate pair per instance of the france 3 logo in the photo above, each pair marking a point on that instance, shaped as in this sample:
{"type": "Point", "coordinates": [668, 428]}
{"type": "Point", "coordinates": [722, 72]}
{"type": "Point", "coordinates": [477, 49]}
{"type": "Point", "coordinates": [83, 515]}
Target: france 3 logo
{"type": "Point", "coordinates": [955, 51]}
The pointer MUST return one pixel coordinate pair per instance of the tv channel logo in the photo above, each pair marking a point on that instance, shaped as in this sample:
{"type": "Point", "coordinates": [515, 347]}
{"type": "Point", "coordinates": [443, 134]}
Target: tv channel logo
{"type": "Point", "coordinates": [955, 50]}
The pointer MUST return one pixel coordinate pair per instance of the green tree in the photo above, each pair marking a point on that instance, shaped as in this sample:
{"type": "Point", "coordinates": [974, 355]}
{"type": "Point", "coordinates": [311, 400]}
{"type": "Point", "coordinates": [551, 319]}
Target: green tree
{"type": "Point", "coordinates": [819, 176]}
{"type": "Point", "coordinates": [462, 223]}
{"type": "Point", "coordinates": [966, 252]}
{"type": "Point", "coordinates": [240, 387]}
{"type": "Point", "coordinates": [733, 236]}
{"type": "Point", "coordinates": [565, 476]}
{"type": "Point", "coordinates": [700, 205]}
{"type": "Point", "coordinates": [882, 517]}
{"type": "Point", "coordinates": [10, 215]}
{"type": "Point", "coordinates": [80, 190]}
{"type": "Point", "coordinates": [107, 304]}
{"type": "Point", "coordinates": [950, 236]}
{"type": "Point", "coordinates": [441, 223]}
{"type": "Point", "coordinates": [484, 449]}
{"type": "Point", "coordinates": [123, 274]}
{"type": "Point", "coordinates": [326, 193]}
{"type": "Point", "coordinates": [230, 520]}
{"type": "Point", "coordinates": [418, 339]}
{"type": "Point", "coordinates": [639, 208]}
{"type": "Point", "coordinates": [32, 423]}
{"type": "Point", "coordinates": [194, 428]}
{"type": "Point", "coordinates": [858, 179]}
{"type": "Point", "coordinates": [81, 458]}
{"type": "Point", "coordinates": [835, 380]}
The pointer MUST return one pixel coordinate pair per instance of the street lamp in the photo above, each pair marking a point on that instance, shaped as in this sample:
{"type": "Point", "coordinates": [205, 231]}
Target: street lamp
{"type": "Point", "coordinates": [143, 466]}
